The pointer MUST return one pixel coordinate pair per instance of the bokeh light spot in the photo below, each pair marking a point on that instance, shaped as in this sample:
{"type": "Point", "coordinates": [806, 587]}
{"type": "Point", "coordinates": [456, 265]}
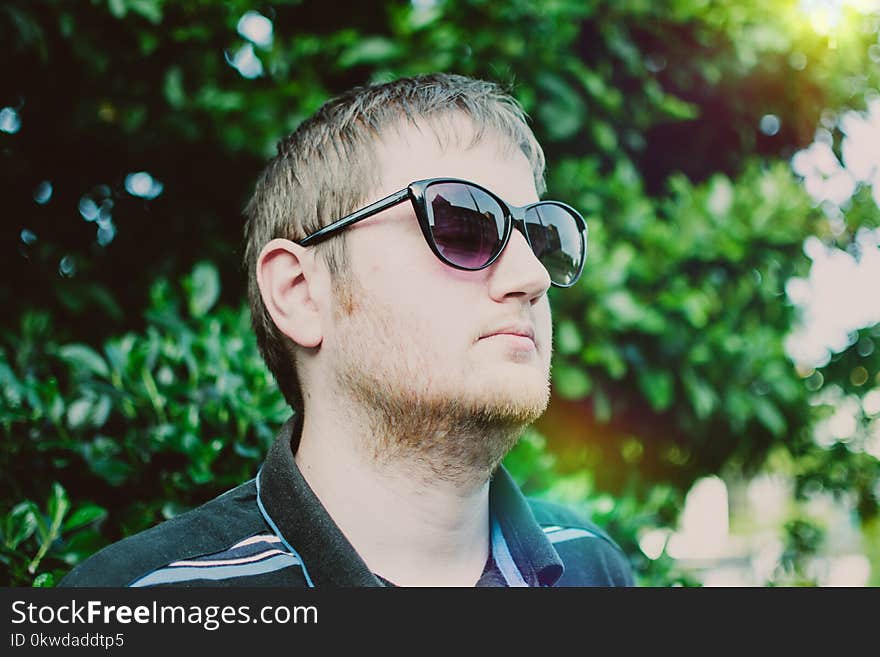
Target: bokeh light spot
{"type": "Point", "coordinates": [814, 381]}
{"type": "Point", "coordinates": [858, 376]}
{"type": "Point", "coordinates": [770, 124]}
{"type": "Point", "coordinates": [843, 423]}
{"type": "Point", "coordinates": [655, 62]}
{"type": "Point", "coordinates": [10, 122]}
{"type": "Point", "coordinates": [860, 149]}
{"type": "Point", "coordinates": [798, 61]}
{"type": "Point", "coordinates": [704, 522]}
{"type": "Point", "coordinates": [652, 543]}
{"type": "Point", "coordinates": [632, 450]}
{"type": "Point", "coordinates": [142, 184]}
{"type": "Point", "coordinates": [836, 300]}
{"type": "Point", "coordinates": [246, 62]}
{"type": "Point", "coordinates": [871, 402]}
{"type": "Point", "coordinates": [104, 212]}
{"type": "Point", "coordinates": [106, 234]}
{"type": "Point", "coordinates": [828, 16]}
{"type": "Point", "coordinates": [88, 208]}
{"type": "Point", "coordinates": [256, 28]}
{"type": "Point", "coordinates": [838, 297]}
{"type": "Point", "coordinates": [43, 192]}
{"type": "Point", "coordinates": [67, 266]}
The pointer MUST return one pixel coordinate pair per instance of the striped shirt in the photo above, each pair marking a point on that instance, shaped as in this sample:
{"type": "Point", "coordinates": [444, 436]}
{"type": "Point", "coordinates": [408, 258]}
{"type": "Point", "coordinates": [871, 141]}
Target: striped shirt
{"type": "Point", "coordinates": [273, 531]}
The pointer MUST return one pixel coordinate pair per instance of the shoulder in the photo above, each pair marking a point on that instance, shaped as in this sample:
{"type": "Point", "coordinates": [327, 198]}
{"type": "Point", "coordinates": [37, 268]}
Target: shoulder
{"type": "Point", "coordinates": [590, 555]}
{"type": "Point", "coordinates": [213, 529]}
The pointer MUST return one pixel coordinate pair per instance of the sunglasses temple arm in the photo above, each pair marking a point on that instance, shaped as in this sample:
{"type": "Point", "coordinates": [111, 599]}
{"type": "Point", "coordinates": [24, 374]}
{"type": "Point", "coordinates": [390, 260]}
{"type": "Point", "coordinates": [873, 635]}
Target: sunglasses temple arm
{"type": "Point", "coordinates": [363, 213]}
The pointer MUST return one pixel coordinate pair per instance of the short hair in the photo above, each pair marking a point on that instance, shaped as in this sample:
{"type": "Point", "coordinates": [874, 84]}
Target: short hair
{"type": "Point", "coordinates": [326, 167]}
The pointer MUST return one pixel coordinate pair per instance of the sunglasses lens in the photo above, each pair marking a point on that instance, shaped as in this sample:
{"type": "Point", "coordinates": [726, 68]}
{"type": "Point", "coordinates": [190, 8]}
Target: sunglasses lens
{"type": "Point", "coordinates": [555, 236]}
{"type": "Point", "coordinates": [466, 223]}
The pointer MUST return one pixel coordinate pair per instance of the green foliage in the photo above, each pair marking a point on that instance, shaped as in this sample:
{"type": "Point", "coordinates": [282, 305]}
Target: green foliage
{"type": "Point", "coordinates": [803, 538]}
{"type": "Point", "coordinates": [150, 423]}
{"type": "Point", "coordinates": [666, 306]}
{"type": "Point", "coordinates": [33, 538]}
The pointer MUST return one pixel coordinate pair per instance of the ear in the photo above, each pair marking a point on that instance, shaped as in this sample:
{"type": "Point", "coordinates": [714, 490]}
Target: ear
{"type": "Point", "coordinates": [291, 286]}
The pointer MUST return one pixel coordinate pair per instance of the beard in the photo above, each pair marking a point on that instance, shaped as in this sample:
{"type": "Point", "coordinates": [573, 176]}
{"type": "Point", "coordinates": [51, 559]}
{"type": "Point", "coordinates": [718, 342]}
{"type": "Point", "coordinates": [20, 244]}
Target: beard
{"type": "Point", "coordinates": [414, 409]}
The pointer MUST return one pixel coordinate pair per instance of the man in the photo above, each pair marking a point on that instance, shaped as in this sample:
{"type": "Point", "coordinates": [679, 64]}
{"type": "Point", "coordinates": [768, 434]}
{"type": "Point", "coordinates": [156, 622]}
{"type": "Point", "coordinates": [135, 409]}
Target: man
{"type": "Point", "coordinates": [398, 272]}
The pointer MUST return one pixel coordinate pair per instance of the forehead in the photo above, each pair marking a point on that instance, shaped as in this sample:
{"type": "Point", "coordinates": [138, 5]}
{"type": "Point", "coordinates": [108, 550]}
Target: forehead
{"type": "Point", "coordinates": [447, 148]}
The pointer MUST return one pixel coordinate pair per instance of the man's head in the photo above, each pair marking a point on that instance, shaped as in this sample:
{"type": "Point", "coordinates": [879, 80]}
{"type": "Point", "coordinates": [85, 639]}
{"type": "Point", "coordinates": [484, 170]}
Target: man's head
{"type": "Point", "coordinates": [371, 316]}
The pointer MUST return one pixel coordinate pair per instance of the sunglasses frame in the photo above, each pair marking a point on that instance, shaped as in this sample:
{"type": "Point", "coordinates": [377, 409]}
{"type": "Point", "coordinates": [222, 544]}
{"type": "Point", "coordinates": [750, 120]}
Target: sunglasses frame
{"type": "Point", "coordinates": [415, 192]}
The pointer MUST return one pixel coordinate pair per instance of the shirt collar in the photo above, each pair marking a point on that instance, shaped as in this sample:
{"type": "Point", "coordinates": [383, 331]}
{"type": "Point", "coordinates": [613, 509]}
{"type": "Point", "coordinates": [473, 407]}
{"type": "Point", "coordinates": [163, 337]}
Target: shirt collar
{"type": "Point", "coordinates": [534, 555]}
{"type": "Point", "coordinates": [293, 510]}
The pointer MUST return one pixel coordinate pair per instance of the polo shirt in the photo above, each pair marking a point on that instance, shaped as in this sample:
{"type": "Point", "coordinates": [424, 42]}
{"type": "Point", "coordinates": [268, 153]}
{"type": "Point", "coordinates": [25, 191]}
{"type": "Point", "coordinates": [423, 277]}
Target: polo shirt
{"type": "Point", "coordinates": [273, 531]}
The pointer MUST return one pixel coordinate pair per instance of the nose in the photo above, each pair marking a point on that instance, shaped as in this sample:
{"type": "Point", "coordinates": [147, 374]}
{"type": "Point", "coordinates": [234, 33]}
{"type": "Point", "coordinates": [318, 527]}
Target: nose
{"type": "Point", "coordinates": [517, 272]}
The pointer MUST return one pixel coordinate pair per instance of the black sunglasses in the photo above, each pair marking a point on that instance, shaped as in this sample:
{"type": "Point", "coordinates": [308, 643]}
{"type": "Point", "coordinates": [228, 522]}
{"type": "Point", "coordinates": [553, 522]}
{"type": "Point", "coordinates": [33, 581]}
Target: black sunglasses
{"type": "Point", "coordinates": [467, 227]}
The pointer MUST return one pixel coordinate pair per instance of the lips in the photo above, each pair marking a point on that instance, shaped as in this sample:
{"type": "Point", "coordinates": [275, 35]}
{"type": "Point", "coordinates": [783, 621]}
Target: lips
{"type": "Point", "coordinates": [523, 330]}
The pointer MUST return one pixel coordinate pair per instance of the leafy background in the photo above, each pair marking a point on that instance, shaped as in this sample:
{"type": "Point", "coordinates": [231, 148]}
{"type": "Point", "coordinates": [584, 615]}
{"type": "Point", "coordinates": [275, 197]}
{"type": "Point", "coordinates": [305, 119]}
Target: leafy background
{"type": "Point", "coordinates": [133, 130]}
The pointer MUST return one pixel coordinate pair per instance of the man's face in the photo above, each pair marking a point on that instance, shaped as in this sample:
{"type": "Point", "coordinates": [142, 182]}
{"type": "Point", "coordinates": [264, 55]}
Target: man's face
{"type": "Point", "coordinates": [430, 348]}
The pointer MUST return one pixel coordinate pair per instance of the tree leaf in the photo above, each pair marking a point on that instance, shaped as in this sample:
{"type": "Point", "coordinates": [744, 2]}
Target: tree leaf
{"type": "Point", "coordinates": [149, 9]}
{"type": "Point", "coordinates": [21, 523]}
{"type": "Point", "coordinates": [702, 397]}
{"type": "Point", "coordinates": [101, 410]}
{"type": "Point", "coordinates": [768, 415]}
{"type": "Point", "coordinates": [658, 388]}
{"type": "Point", "coordinates": [117, 8]}
{"type": "Point", "coordinates": [568, 338]}
{"type": "Point", "coordinates": [78, 412]}
{"type": "Point", "coordinates": [44, 580]}
{"type": "Point", "coordinates": [369, 50]}
{"type": "Point", "coordinates": [571, 382]}
{"type": "Point", "coordinates": [83, 516]}
{"type": "Point", "coordinates": [562, 109]}
{"type": "Point", "coordinates": [58, 504]}
{"type": "Point", "coordinates": [601, 405]}
{"type": "Point", "coordinates": [204, 289]}
{"type": "Point", "coordinates": [85, 358]}
{"type": "Point", "coordinates": [173, 87]}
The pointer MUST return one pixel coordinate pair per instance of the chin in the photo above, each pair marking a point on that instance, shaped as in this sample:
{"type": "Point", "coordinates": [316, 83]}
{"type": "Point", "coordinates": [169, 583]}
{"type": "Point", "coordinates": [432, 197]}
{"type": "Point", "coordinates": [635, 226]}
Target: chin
{"type": "Point", "coordinates": [520, 399]}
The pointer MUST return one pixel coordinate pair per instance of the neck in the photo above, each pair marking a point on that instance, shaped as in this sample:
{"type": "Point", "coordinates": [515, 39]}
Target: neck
{"type": "Point", "coordinates": [409, 525]}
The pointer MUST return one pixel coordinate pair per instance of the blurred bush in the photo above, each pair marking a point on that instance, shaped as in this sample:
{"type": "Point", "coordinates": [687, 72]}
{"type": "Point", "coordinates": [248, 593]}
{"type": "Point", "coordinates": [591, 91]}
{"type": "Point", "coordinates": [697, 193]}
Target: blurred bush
{"type": "Point", "coordinates": [144, 427]}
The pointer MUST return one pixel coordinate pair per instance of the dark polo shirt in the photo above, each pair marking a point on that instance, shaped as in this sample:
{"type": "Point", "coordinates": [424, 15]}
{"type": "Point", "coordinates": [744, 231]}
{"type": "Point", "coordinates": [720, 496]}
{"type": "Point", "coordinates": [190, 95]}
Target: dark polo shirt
{"type": "Point", "coordinates": [273, 531]}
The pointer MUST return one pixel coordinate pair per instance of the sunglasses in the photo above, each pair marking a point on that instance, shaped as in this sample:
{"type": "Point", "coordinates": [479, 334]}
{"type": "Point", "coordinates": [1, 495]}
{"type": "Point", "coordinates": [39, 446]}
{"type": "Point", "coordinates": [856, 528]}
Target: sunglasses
{"type": "Point", "coordinates": [467, 227]}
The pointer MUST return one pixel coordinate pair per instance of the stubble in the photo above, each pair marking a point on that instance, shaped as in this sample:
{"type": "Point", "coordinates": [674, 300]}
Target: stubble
{"type": "Point", "coordinates": [415, 413]}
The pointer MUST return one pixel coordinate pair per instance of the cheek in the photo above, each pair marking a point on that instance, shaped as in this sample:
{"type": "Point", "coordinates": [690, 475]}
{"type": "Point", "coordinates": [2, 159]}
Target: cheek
{"type": "Point", "coordinates": [433, 332]}
{"type": "Point", "coordinates": [438, 329]}
{"type": "Point", "coordinates": [544, 327]}
{"type": "Point", "coordinates": [409, 325]}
